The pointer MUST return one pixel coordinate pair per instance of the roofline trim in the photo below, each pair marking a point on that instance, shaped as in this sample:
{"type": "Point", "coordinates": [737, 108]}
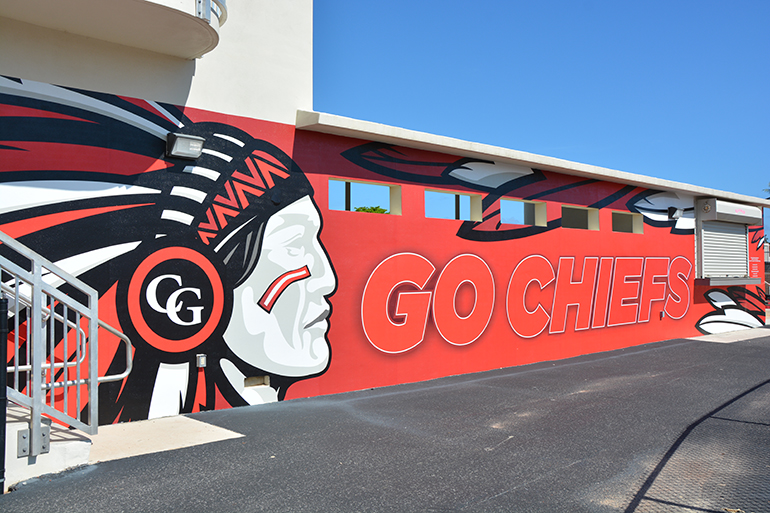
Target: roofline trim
{"type": "Point", "coordinates": [358, 129]}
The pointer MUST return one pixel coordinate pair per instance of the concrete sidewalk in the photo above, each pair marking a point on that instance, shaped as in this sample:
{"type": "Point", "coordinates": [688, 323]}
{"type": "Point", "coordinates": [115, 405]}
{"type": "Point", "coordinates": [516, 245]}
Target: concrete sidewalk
{"type": "Point", "coordinates": [682, 425]}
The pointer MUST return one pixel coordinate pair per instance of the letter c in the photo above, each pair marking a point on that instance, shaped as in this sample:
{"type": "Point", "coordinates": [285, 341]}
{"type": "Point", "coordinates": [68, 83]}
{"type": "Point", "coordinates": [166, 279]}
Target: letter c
{"type": "Point", "coordinates": [152, 291]}
{"type": "Point", "coordinates": [528, 323]}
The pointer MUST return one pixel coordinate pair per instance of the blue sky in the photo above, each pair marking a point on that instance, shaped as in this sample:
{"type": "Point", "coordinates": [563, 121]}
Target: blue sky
{"type": "Point", "coordinates": [676, 89]}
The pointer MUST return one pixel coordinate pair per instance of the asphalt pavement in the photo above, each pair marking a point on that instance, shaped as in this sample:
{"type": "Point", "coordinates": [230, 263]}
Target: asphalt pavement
{"type": "Point", "coordinates": [675, 426]}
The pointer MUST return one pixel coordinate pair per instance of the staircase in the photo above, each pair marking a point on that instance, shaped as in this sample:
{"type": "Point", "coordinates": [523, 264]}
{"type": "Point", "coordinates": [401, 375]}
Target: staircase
{"type": "Point", "coordinates": [52, 358]}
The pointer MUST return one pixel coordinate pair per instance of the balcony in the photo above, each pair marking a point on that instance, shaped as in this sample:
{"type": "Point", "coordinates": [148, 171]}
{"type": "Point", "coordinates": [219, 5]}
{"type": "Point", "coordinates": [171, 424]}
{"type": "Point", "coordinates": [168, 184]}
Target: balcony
{"type": "Point", "coordinates": [180, 28]}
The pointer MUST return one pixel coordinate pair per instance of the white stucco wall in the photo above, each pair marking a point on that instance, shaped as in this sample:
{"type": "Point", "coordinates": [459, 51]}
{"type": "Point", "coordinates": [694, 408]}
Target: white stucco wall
{"type": "Point", "coordinates": [266, 48]}
{"type": "Point", "coordinates": [262, 67]}
{"type": "Point", "coordinates": [45, 55]}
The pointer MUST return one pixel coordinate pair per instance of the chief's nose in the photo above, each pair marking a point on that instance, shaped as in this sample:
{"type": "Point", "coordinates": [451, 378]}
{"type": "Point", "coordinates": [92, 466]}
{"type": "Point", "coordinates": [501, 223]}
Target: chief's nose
{"type": "Point", "coordinates": [322, 278]}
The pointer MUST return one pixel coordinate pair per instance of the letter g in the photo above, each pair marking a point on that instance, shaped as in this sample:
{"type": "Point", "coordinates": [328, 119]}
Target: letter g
{"type": "Point", "coordinates": [380, 329]}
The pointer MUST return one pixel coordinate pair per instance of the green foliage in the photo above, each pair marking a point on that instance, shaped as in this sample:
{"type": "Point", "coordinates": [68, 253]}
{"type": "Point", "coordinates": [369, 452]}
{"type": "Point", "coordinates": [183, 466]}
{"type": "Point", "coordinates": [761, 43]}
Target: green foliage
{"type": "Point", "coordinates": [376, 210]}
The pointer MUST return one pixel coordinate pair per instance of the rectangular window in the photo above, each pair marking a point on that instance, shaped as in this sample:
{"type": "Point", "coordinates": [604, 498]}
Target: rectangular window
{"type": "Point", "coordinates": [579, 217]}
{"type": "Point", "coordinates": [446, 205]}
{"type": "Point", "coordinates": [627, 222]}
{"type": "Point", "coordinates": [723, 242]}
{"type": "Point", "coordinates": [522, 212]}
{"type": "Point", "coordinates": [725, 249]}
{"type": "Point", "coordinates": [364, 197]}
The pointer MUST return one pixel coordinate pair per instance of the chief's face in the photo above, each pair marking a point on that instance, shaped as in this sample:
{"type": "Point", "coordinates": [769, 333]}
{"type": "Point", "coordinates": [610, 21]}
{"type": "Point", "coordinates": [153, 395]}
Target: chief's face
{"type": "Point", "coordinates": [280, 312]}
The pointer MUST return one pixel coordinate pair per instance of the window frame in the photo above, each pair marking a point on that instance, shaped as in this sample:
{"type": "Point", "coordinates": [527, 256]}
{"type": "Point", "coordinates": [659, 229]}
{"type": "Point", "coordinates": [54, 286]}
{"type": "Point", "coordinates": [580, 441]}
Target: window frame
{"type": "Point", "coordinates": [592, 217]}
{"type": "Point", "coordinates": [637, 221]}
{"type": "Point", "coordinates": [394, 196]}
{"type": "Point", "coordinates": [540, 214]}
{"type": "Point", "coordinates": [475, 214]}
{"type": "Point", "coordinates": [727, 225]}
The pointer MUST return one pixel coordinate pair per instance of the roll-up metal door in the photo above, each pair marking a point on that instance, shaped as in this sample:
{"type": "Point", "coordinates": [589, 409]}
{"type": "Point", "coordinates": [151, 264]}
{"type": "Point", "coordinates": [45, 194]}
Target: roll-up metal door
{"type": "Point", "coordinates": [725, 249]}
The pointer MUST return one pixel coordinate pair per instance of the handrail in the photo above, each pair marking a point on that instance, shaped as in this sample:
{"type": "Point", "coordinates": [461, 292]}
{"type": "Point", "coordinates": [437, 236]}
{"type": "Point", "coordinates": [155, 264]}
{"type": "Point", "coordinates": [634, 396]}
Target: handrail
{"type": "Point", "coordinates": [220, 8]}
{"type": "Point", "coordinates": [100, 379]}
{"type": "Point", "coordinates": [129, 355]}
{"type": "Point", "coordinates": [47, 311]}
{"type": "Point", "coordinates": [27, 302]}
{"type": "Point", "coordinates": [204, 9]}
{"type": "Point", "coordinates": [59, 323]}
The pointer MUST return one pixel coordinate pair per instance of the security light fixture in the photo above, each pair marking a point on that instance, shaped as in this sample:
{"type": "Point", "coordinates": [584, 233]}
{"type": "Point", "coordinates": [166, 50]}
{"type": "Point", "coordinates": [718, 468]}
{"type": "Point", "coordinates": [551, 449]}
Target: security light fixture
{"type": "Point", "coordinates": [184, 146]}
{"type": "Point", "coordinates": [675, 213]}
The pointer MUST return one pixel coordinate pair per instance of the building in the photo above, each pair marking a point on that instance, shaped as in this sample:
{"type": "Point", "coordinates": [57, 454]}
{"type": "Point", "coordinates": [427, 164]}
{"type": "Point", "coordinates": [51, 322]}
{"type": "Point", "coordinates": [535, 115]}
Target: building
{"type": "Point", "coordinates": [237, 263]}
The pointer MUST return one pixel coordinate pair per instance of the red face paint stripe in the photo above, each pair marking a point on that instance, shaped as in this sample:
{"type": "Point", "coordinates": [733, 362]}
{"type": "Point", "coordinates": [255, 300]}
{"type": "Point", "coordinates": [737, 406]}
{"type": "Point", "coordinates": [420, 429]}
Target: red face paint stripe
{"type": "Point", "coordinates": [276, 288]}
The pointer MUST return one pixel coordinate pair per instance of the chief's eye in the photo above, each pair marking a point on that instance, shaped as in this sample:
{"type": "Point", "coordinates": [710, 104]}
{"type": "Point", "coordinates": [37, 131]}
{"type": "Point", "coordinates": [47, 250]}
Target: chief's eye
{"type": "Point", "coordinates": [295, 251]}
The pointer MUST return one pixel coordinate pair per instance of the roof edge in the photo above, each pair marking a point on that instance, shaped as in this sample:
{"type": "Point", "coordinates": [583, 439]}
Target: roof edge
{"type": "Point", "coordinates": [358, 129]}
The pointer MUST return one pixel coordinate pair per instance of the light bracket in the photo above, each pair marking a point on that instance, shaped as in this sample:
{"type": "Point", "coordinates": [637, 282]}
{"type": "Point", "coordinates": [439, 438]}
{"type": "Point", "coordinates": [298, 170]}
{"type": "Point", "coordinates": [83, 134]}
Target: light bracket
{"type": "Point", "coordinates": [675, 213]}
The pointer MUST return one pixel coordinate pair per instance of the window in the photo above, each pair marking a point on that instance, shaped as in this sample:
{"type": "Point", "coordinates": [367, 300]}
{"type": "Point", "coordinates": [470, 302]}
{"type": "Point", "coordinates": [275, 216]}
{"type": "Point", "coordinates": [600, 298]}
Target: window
{"type": "Point", "coordinates": [627, 222]}
{"type": "Point", "coordinates": [722, 241]}
{"type": "Point", "coordinates": [364, 197]}
{"type": "Point", "coordinates": [447, 205]}
{"type": "Point", "coordinates": [522, 212]}
{"type": "Point", "coordinates": [579, 217]}
{"type": "Point", "coordinates": [725, 249]}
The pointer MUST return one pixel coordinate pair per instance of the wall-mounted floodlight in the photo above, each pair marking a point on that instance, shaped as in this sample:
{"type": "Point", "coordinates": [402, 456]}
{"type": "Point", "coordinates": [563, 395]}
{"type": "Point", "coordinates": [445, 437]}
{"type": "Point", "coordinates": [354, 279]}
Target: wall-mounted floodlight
{"type": "Point", "coordinates": [675, 213]}
{"type": "Point", "coordinates": [184, 146]}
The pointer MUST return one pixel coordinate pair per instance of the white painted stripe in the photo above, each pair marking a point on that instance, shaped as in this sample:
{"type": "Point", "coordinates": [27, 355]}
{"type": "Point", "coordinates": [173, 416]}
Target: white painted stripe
{"type": "Point", "coordinates": [170, 389]}
{"type": "Point", "coordinates": [224, 241]}
{"type": "Point", "coordinates": [78, 264]}
{"type": "Point", "coordinates": [20, 195]}
{"type": "Point", "coordinates": [166, 114]}
{"type": "Point", "coordinates": [231, 139]}
{"type": "Point", "coordinates": [218, 154]}
{"type": "Point", "coordinates": [186, 192]}
{"type": "Point", "coordinates": [202, 171]}
{"type": "Point", "coordinates": [52, 93]}
{"type": "Point", "coordinates": [279, 285]}
{"type": "Point", "coordinates": [179, 217]}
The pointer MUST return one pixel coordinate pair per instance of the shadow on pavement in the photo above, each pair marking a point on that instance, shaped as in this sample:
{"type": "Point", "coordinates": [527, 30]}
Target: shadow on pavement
{"type": "Point", "coordinates": [721, 462]}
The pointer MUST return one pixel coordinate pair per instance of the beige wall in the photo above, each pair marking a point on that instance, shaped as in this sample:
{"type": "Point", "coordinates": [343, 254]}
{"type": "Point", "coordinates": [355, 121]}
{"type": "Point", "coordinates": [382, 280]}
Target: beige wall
{"type": "Point", "coordinates": [266, 48]}
{"type": "Point", "coordinates": [262, 67]}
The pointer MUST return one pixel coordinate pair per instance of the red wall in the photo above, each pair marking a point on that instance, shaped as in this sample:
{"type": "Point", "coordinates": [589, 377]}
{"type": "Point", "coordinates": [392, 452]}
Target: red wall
{"type": "Point", "coordinates": [416, 298]}
{"type": "Point", "coordinates": [359, 242]}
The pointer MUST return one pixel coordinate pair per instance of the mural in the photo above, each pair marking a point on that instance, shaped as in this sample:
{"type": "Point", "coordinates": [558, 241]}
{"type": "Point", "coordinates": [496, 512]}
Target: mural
{"type": "Point", "coordinates": [436, 297]}
{"type": "Point", "coordinates": [221, 258]}
{"type": "Point", "coordinates": [605, 291]}
{"type": "Point", "coordinates": [734, 308]}
{"type": "Point", "coordinates": [603, 297]}
{"type": "Point", "coordinates": [237, 255]}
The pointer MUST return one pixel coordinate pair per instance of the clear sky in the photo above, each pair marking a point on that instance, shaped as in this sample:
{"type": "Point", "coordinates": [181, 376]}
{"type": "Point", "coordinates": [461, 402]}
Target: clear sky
{"type": "Point", "coordinates": [676, 89]}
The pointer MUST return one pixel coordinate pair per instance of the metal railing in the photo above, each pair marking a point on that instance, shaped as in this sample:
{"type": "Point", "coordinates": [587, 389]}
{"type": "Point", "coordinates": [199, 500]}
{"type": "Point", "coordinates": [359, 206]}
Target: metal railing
{"type": "Point", "coordinates": [54, 326]}
{"type": "Point", "coordinates": [204, 8]}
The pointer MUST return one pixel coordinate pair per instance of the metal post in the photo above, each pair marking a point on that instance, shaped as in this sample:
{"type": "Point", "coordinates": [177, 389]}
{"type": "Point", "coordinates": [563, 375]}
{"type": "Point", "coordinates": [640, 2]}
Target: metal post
{"type": "Point", "coordinates": [347, 196]}
{"type": "Point", "coordinates": [457, 206]}
{"type": "Point", "coordinates": [3, 384]}
{"type": "Point", "coordinates": [37, 340]}
{"type": "Point", "coordinates": [93, 363]}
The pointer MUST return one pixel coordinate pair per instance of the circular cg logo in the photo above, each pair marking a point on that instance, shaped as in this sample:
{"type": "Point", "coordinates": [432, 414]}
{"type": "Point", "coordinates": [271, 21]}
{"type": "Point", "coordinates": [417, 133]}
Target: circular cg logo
{"type": "Point", "coordinates": [175, 299]}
